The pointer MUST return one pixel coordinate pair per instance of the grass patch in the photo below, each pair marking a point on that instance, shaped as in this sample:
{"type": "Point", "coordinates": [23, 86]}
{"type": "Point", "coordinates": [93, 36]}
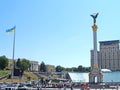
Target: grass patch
{"type": "Point", "coordinates": [4, 72]}
{"type": "Point", "coordinates": [27, 76]}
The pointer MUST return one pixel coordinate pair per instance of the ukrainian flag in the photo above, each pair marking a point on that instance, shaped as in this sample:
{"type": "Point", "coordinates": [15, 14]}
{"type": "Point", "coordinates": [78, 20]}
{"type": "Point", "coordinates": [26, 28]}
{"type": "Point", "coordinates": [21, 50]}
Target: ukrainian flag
{"type": "Point", "coordinates": [11, 29]}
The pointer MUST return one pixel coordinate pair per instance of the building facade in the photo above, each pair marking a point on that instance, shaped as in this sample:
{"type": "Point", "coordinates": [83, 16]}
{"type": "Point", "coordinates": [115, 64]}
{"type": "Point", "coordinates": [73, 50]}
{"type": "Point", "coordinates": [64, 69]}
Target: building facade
{"type": "Point", "coordinates": [34, 66]}
{"type": "Point", "coordinates": [50, 68]}
{"type": "Point", "coordinates": [108, 55]}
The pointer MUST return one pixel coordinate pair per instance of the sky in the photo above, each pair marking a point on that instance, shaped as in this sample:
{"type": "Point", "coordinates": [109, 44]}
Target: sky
{"type": "Point", "coordinates": [57, 32]}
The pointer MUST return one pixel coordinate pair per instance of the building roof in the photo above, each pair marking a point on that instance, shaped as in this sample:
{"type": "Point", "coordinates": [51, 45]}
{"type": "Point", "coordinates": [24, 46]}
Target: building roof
{"type": "Point", "coordinates": [79, 77]}
{"type": "Point", "coordinates": [106, 70]}
{"type": "Point", "coordinates": [109, 42]}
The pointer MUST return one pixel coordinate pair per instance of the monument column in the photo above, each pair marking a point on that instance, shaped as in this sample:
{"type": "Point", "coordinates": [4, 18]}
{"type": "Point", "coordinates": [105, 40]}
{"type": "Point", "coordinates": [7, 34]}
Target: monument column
{"type": "Point", "coordinates": [95, 76]}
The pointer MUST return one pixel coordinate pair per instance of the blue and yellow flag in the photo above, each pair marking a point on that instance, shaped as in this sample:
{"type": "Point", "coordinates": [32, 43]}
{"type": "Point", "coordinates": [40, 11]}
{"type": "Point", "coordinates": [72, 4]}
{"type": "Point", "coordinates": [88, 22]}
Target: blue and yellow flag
{"type": "Point", "coordinates": [11, 29]}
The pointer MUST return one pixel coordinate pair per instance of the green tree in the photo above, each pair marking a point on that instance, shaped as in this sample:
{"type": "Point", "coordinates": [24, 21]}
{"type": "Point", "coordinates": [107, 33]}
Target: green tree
{"type": "Point", "coordinates": [18, 63]}
{"type": "Point", "coordinates": [42, 67]}
{"type": "Point", "coordinates": [3, 62]}
{"type": "Point", "coordinates": [80, 68]}
{"type": "Point", "coordinates": [59, 68]}
{"type": "Point", "coordinates": [83, 69]}
{"type": "Point", "coordinates": [88, 69]}
{"type": "Point", "coordinates": [74, 69]}
{"type": "Point", "coordinates": [25, 64]}
{"type": "Point", "coordinates": [67, 69]}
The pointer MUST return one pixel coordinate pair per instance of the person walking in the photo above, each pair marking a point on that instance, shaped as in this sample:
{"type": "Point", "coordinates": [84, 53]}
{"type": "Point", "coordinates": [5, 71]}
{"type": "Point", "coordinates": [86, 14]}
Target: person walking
{"type": "Point", "coordinates": [64, 87]}
{"type": "Point", "coordinates": [71, 87]}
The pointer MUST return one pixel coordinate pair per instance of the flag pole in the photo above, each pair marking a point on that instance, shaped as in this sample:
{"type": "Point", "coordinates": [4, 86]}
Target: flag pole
{"type": "Point", "coordinates": [12, 68]}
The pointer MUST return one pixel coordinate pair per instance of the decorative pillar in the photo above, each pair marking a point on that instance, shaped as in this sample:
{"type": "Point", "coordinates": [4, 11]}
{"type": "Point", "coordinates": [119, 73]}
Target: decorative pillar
{"type": "Point", "coordinates": [95, 76]}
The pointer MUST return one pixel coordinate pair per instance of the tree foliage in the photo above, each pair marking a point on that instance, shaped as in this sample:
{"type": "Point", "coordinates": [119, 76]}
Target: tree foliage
{"type": "Point", "coordinates": [74, 69]}
{"type": "Point", "coordinates": [3, 62]}
{"type": "Point", "coordinates": [18, 63]}
{"type": "Point", "coordinates": [42, 67]}
{"type": "Point", "coordinates": [25, 64]}
{"type": "Point", "coordinates": [80, 68]}
{"type": "Point", "coordinates": [68, 69]}
{"type": "Point", "coordinates": [59, 68]}
{"type": "Point", "coordinates": [83, 69]}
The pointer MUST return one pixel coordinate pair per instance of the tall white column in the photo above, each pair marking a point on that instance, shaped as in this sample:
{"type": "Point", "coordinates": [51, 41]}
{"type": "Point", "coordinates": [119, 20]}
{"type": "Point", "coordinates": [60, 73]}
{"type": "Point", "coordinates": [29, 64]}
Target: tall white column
{"type": "Point", "coordinates": [95, 46]}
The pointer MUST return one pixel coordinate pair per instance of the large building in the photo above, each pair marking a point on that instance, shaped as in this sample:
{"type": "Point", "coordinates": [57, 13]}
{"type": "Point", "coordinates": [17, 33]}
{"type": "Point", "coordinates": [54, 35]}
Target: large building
{"type": "Point", "coordinates": [34, 66]}
{"type": "Point", "coordinates": [108, 55]}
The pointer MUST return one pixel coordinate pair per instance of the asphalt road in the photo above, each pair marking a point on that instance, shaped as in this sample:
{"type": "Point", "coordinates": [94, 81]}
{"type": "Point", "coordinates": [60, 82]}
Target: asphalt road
{"type": "Point", "coordinates": [73, 89]}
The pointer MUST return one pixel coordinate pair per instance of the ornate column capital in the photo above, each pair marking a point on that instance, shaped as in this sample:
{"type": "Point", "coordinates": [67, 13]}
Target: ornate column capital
{"type": "Point", "coordinates": [94, 27]}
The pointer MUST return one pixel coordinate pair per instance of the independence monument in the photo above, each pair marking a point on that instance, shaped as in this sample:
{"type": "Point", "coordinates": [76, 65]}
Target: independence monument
{"type": "Point", "coordinates": [95, 76]}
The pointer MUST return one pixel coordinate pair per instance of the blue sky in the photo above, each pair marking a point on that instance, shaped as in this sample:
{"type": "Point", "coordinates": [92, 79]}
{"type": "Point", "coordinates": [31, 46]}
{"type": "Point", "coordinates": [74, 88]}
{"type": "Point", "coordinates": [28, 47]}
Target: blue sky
{"type": "Point", "coordinates": [57, 32]}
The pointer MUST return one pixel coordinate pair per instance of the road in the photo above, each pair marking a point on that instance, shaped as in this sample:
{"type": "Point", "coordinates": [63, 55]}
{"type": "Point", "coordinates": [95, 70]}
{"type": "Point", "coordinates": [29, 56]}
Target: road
{"type": "Point", "coordinates": [74, 89]}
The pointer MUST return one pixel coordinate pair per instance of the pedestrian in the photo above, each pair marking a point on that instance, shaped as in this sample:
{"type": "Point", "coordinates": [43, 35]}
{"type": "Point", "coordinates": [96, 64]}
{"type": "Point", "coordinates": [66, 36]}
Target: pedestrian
{"type": "Point", "coordinates": [84, 87]}
{"type": "Point", "coordinates": [64, 87]}
{"type": "Point", "coordinates": [71, 87]}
